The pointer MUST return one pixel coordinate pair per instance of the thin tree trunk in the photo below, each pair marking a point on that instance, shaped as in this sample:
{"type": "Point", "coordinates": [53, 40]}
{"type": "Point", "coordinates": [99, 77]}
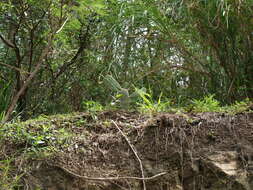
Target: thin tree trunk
{"type": "Point", "coordinates": [26, 83]}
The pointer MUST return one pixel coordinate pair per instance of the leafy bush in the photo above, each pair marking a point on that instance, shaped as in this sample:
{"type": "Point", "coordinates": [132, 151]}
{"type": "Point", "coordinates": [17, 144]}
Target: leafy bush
{"type": "Point", "coordinates": [207, 104]}
{"type": "Point", "coordinates": [238, 106]}
{"type": "Point", "coordinates": [148, 104]}
{"type": "Point", "coordinates": [92, 106]}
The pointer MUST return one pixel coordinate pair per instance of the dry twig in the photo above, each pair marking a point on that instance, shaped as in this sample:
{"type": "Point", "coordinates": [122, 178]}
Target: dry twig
{"type": "Point", "coordinates": [135, 153]}
{"type": "Point", "coordinates": [110, 178]}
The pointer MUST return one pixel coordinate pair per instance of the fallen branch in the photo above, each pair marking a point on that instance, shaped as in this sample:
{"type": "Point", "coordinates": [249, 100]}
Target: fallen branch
{"type": "Point", "coordinates": [110, 178]}
{"type": "Point", "coordinates": [135, 153]}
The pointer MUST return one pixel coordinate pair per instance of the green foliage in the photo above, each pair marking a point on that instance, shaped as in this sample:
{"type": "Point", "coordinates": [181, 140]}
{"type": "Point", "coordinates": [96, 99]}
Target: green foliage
{"type": "Point", "coordinates": [207, 104]}
{"type": "Point", "coordinates": [8, 181]}
{"type": "Point", "coordinates": [40, 140]}
{"type": "Point", "coordinates": [5, 94]}
{"type": "Point", "coordinates": [149, 105]}
{"type": "Point", "coordinates": [185, 49]}
{"type": "Point", "coordinates": [85, 7]}
{"type": "Point", "coordinates": [111, 83]}
{"type": "Point", "coordinates": [4, 6]}
{"type": "Point", "coordinates": [2, 116]}
{"type": "Point", "coordinates": [32, 140]}
{"type": "Point", "coordinates": [239, 107]}
{"type": "Point", "coordinates": [122, 94]}
{"type": "Point", "coordinates": [92, 106]}
{"type": "Point", "coordinates": [223, 27]}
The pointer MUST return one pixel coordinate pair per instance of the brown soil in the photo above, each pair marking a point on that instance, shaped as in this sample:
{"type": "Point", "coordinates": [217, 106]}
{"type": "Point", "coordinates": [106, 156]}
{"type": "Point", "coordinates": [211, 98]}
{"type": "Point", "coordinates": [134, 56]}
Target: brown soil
{"type": "Point", "coordinates": [173, 150]}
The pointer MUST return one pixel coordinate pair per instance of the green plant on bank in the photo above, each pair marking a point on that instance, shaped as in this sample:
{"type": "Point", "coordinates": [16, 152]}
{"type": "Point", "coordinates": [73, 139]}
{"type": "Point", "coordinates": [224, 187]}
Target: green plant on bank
{"type": "Point", "coordinates": [207, 104]}
{"type": "Point", "coordinates": [122, 94]}
{"type": "Point", "coordinates": [238, 107]}
{"type": "Point", "coordinates": [92, 106]}
{"type": "Point", "coordinates": [149, 105]}
{"type": "Point", "coordinates": [41, 140]}
{"type": "Point", "coordinates": [7, 180]}
{"type": "Point", "coordinates": [38, 138]}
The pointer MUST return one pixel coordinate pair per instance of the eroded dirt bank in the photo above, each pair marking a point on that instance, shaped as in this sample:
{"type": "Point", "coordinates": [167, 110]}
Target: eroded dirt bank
{"type": "Point", "coordinates": [122, 150]}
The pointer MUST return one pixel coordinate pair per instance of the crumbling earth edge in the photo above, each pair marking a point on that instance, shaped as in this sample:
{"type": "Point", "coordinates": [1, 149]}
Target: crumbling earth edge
{"type": "Point", "coordinates": [128, 150]}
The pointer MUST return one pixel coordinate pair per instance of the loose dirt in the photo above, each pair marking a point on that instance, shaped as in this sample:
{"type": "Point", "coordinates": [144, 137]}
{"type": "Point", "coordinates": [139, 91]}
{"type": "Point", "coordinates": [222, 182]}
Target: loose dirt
{"type": "Point", "coordinates": [128, 150]}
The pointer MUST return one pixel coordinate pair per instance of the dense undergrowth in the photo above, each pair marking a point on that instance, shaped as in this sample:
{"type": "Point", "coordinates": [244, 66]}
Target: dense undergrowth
{"type": "Point", "coordinates": [145, 103]}
{"type": "Point", "coordinates": [34, 139]}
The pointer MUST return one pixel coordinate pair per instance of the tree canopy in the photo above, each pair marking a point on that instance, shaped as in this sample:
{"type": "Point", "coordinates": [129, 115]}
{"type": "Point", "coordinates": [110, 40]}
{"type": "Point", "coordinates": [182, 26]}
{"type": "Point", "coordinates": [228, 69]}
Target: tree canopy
{"type": "Point", "coordinates": [55, 54]}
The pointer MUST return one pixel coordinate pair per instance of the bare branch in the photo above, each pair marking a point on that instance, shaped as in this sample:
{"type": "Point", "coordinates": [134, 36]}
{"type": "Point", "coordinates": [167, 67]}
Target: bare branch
{"type": "Point", "coordinates": [111, 178]}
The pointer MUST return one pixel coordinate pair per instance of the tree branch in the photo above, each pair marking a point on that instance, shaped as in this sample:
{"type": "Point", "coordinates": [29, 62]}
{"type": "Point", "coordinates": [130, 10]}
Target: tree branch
{"type": "Point", "coordinates": [14, 68]}
{"type": "Point", "coordinates": [7, 42]}
{"type": "Point", "coordinates": [26, 83]}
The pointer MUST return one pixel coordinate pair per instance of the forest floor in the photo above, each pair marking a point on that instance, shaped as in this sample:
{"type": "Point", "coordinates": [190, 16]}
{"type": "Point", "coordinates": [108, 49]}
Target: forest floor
{"type": "Point", "coordinates": [128, 150]}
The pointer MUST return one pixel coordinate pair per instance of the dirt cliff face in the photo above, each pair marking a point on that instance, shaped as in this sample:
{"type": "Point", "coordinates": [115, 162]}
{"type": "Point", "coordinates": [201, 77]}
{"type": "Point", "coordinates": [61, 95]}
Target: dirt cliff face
{"type": "Point", "coordinates": [123, 150]}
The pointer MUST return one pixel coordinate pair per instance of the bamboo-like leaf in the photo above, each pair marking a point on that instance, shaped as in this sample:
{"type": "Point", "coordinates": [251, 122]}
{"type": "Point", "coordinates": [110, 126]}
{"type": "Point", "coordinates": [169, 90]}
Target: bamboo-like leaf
{"type": "Point", "coordinates": [112, 83]}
